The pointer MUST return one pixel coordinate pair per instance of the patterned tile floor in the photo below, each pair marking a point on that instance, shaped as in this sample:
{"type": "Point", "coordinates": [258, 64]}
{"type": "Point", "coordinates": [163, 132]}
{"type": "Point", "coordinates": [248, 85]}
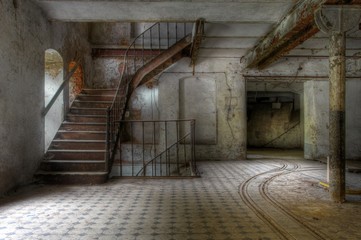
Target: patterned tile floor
{"type": "Point", "coordinates": [186, 209]}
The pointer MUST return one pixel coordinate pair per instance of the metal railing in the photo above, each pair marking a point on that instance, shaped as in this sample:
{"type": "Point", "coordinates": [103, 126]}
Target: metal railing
{"type": "Point", "coordinates": [144, 48]}
{"type": "Point", "coordinates": [64, 84]}
{"type": "Point", "coordinates": [162, 148]}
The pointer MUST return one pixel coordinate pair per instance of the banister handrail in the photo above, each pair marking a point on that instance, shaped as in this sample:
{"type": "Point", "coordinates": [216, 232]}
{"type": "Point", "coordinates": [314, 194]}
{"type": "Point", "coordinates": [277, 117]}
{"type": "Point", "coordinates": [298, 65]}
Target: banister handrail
{"type": "Point", "coordinates": [125, 60]}
{"type": "Point", "coordinates": [60, 89]}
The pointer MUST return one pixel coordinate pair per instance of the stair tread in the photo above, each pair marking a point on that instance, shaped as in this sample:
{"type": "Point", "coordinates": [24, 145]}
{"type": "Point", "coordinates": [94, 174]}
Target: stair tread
{"type": "Point", "coordinates": [86, 115]}
{"type": "Point", "coordinates": [72, 161]}
{"type": "Point", "coordinates": [89, 101]}
{"type": "Point", "coordinates": [87, 108]}
{"type": "Point", "coordinates": [71, 173]}
{"type": "Point", "coordinates": [81, 131]}
{"type": "Point", "coordinates": [78, 141]}
{"type": "Point", "coordinates": [84, 123]}
{"type": "Point", "coordinates": [99, 89]}
{"type": "Point", "coordinates": [74, 150]}
{"type": "Point", "coordinates": [94, 95]}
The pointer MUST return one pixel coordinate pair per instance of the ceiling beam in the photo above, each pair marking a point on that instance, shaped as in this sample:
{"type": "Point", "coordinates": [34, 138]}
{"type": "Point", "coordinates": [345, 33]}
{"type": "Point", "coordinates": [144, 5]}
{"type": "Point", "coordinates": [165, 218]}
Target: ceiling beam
{"type": "Point", "coordinates": [295, 28]}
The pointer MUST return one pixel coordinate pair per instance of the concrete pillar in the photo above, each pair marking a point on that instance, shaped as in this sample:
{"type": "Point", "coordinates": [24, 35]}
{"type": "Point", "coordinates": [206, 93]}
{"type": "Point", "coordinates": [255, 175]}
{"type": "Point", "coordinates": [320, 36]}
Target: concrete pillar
{"type": "Point", "coordinates": [336, 21]}
{"type": "Point", "coordinates": [337, 116]}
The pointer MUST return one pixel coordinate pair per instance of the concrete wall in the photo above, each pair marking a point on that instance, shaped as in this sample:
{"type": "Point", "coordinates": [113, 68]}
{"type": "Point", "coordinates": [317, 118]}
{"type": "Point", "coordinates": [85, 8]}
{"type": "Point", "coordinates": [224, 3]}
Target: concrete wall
{"type": "Point", "coordinates": [114, 33]}
{"type": "Point", "coordinates": [214, 96]}
{"type": "Point", "coordinates": [316, 119]}
{"type": "Point", "coordinates": [25, 35]}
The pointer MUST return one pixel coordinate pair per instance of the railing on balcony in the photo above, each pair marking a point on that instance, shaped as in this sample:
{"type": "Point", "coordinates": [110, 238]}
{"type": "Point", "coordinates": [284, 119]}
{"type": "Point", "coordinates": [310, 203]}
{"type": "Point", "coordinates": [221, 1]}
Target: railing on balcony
{"type": "Point", "coordinates": [164, 148]}
{"type": "Point", "coordinates": [144, 48]}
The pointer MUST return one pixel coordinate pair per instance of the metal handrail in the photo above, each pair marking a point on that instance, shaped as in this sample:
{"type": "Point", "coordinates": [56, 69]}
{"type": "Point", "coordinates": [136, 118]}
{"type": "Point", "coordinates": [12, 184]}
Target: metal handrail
{"type": "Point", "coordinates": [175, 151]}
{"type": "Point", "coordinates": [60, 89]}
{"type": "Point", "coordinates": [116, 111]}
{"type": "Point", "coordinates": [164, 152]}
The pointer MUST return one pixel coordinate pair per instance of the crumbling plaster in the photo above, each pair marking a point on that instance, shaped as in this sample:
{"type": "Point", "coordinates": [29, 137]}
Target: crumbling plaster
{"type": "Point", "coordinates": [26, 34]}
{"type": "Point", "coordinates": [228, 141]}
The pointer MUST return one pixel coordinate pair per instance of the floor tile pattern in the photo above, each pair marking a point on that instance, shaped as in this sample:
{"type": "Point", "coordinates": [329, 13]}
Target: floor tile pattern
{"type": "Point", "coordinates": [186, 209]}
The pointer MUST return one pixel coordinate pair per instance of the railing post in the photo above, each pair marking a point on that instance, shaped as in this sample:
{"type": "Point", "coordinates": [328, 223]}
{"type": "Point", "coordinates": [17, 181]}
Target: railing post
{"type": "Point", "coordinates": [192, 163]}
{"type": "Point", "coordinates": [167, 35]}
{"type": "Point", "coordinates": [159, 38]}
{"type": "Point", "coordinates": [176, 32]}
{"type": "Point", "coordinates": [108, 144]}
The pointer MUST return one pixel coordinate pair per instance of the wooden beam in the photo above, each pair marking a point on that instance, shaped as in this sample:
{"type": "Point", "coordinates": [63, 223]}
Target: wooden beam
{"type": "Point", "coordinates": [291, 31]}
{"type": "Point", "coordinates": [294, 29]}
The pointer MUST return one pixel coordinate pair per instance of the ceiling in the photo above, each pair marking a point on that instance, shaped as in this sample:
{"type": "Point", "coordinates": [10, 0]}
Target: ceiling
{"type": "Point", "coordinates": [233, 27]}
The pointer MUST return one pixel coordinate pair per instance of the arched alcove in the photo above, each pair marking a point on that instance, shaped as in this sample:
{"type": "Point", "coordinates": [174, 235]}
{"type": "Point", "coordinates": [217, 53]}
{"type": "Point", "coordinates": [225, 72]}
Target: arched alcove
{"type": "Point", "coordinates": [53, 78]}
{"type": "Point", "coordinates": [76, 82]}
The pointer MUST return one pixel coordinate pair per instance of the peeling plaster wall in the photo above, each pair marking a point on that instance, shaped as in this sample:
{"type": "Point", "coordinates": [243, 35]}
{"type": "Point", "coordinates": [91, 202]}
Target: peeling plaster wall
{"type": "Point", "coordinates": [25, 35]}
{"type": "Point", "coordinates": [353, 119]}
{"type": "Point", "coordinates": [215, 96]}
{"type": "Point", "coordinates": [316, 119]}
{"type": "Point", "coordinates": [117, 33]}
{"type": "Point", "coordinates": [225, 137]}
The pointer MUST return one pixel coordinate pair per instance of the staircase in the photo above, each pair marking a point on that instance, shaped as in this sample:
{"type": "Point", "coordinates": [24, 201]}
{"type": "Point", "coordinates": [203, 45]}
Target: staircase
{"type": "Point", "coordinates": [77, 152]}
{"type": "Point", "coordinates": [85, 145]}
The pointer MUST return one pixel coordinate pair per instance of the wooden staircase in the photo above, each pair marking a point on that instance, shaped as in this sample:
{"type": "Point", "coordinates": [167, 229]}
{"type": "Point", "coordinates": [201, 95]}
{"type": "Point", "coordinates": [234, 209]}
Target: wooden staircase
{"type": "Point", "coordinates": [77, 153]}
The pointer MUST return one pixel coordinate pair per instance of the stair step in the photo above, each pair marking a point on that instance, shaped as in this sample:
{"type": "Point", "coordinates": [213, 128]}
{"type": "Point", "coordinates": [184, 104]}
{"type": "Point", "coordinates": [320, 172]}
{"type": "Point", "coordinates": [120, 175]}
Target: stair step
{"type": "Point", "coordinates": [99, 91]}
{"type": "Point", "coordinates": [72, 165]}
{"type": "Point", "coordinates": [88, 111]}
{"type": "Point", "coordinates": [79, 126]}
{"type": "Point", "coordinates": [91, 104]}
{"type": "Point", "coordinates": [76, 144]}
{"type": "Point", "coordinates": [85, 97]}
{"type": "Point", "coordinates": [83, 135]}
{"type": "Point", "coordinates": [73, 177]}
{"type": "Point", "coordinates": [72, 154]}
{"type": "Point", "coordinates": [86, 118]}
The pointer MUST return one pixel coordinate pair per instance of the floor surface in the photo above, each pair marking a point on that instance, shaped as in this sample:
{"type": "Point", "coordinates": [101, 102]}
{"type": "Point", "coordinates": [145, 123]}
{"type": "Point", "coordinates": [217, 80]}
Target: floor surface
{"type": "Point", "coordinates": [265, 197]}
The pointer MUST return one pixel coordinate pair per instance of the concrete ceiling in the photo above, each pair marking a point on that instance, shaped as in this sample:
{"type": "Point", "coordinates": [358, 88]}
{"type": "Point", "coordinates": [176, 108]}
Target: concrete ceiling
{"type": "Point", "coordinates": [246, 11]}
{"type": "Point", "coordinates": [233, 27]}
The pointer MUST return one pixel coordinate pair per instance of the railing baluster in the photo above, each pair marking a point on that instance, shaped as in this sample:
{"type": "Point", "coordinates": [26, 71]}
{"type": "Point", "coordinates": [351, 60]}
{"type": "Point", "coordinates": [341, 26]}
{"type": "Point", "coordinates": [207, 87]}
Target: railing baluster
{"type": "Point", "coordinates": [154, 149]}
{"type": "Point", "coordinates": [143, 49]}
{"type": "Point", "coordinates": [144, 167]}
{"type": "Point", "coordinates": [167, 35]}
{"type": "Point", "coordinates": [176, 32]}
{"type": "Point", "coordinates": [166, 146]}
{"type": "Point", "coordinates": [159, 38]}
{"type": "Point", "coordinates": [131, 137]}
{"type": "Point", "coordinates": [120, 160]}
{"type": "Point", "coordinates": [177, 129]}
{"type": "Point", "coordinates": [117, 109]}
{"type": "Point", "coordinates": [151, 38]}
{"type": "Point", "coordinates": [184, 29]}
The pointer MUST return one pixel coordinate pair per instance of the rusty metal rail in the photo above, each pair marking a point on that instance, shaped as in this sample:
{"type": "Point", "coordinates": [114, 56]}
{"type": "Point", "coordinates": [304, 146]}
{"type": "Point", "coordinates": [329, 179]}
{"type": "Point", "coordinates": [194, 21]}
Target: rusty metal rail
{"type": "Point", "coordinates": [155, 39]}
{"type": "Point", "coordinates": [162, 148]}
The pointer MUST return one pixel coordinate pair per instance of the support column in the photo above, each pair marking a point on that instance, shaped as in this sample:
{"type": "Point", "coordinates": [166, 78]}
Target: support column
{"type": "Point", "coordinates": [337, 77]}
{"type": "Point", "coordinates": [336, 21]}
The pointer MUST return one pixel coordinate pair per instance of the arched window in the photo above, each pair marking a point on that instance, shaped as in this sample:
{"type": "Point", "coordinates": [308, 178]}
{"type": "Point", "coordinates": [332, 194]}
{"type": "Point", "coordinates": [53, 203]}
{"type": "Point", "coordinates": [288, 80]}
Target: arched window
{"type": "Point", "coordinates": [54, 77]}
